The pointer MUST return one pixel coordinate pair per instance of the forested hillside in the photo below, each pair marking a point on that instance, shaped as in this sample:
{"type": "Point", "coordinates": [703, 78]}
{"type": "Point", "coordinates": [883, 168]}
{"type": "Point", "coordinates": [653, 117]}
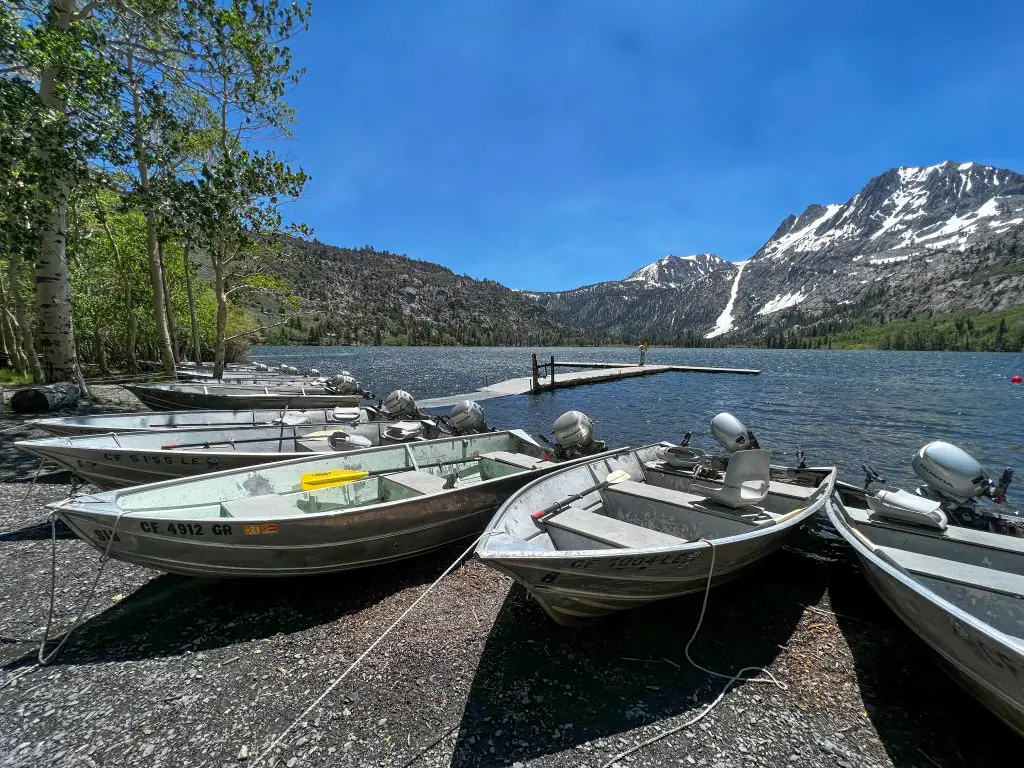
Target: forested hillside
{"type": "Point", "coordinates": [366, 296]}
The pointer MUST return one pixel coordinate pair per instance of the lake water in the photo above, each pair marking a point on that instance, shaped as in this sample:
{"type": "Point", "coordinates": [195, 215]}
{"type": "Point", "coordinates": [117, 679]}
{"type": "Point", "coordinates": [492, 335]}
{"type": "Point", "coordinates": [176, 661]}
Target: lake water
{"type": "Point", "coordinates": [844, 407]}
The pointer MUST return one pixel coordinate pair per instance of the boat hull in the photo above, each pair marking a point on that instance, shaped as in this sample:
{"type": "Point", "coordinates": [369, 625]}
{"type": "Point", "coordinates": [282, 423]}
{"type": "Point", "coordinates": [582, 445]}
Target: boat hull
{"type": "Point", "coordinates": [147, 421]}
{"type": "Point", "coordinates": [572, 590]}
{"type": "Point", "coordinates": [111, 461]}
{"type": "Point", "coordinates": [195, 399]}
{"type": "Point", "coordinates": [264, 522]}
{"type": "Point", "coordinates": [575, 586]}
{"type": "Point", "coordinates": [292, 547]}
{"type": "Point", "coordinates": [986, 663]}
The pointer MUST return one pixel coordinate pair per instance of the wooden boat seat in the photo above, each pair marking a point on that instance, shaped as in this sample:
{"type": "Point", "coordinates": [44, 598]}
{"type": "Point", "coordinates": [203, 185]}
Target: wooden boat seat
{"type": "Point", "coordinates": [576, 528]}
{"type": "Point", "coordinates": [420, 482]}
{"type": "Point", "coordinates": [791, 491]}
{"type": "Point", "coordinates": [956, 572]}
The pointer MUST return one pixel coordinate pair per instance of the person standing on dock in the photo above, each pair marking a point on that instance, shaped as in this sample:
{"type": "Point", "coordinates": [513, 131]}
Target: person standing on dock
{"type": "Point", "coordinates": [644, 346]}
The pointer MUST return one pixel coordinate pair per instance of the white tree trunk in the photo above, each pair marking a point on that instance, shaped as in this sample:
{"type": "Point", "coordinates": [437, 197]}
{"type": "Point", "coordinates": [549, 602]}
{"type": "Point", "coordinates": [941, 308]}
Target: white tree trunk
{"type": "Point", "coordinates": [197, 345]}
{"type": "Point", "coordinates": [9, 324]}
{"type": "Point", "coordinates": [172, 327]}
{"type": "Point", "coordinates": [22, 325]}
{"type": "Point", "coordinates": [156, 277]}
{"type": "Point", "coordinates": [222, 314]}
{"type": "Point", "coordinates": [53, 286]}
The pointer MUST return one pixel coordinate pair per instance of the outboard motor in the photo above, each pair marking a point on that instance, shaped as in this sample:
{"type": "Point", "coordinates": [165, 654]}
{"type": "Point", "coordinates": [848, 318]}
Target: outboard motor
{"type": "Point", "coordinates": [574, 436]}
{"type": "Point", "coordinates": [343, 441]}
{"type": "Point", "coordinates": [467, 418]}
{"type": "Point", "coordinates": [344, 384]}
{"type": "Point", "coordinates": [729, 431]}
{"type": "Point", "coordinates": [404, 431]}
{"type": "Point", "coordinates": [732, 433]}
{"type": "Point", "coordinates": [954, 481]}
{"type": "Point", "coordinates": [400, 405]}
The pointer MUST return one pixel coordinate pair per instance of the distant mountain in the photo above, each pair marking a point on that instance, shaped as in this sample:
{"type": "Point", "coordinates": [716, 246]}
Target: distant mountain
{"type": "Point", "coordinates": [366, 296]}
{"type": "Point", "coordinates": [661, 302]}
{"type": "Point", "coordinates": [913, 242]}
{"type": "Point", "coordinates": [937, 239]}
{"type": "Point", "coordinates": [677, 271]}
{"type": "Point", "coordinates": [941, 238]}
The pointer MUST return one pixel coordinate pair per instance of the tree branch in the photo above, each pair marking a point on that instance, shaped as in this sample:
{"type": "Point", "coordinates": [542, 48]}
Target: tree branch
{"type": "Point", "coordinates": [261, 328]}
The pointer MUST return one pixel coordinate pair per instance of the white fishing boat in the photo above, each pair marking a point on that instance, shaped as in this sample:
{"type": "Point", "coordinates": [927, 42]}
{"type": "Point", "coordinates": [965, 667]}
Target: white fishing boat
{"type": "Point", "coordinates": [960, 589]}
{"type": "Point", "coordinates": [634, 526]}
{"type": "Point", "coordinates": [313, 515]}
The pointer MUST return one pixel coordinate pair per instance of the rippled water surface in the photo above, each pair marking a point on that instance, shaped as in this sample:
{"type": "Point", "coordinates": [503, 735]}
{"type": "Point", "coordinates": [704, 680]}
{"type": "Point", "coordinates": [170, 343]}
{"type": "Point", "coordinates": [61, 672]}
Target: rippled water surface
{"type": "Point", "coordinates": [844, 408]}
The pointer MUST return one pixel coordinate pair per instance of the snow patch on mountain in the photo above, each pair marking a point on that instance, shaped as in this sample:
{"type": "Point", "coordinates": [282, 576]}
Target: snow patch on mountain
{"type": "Point", "coordinates": [804, 239]}
{"type": "Point", "coordinates": [781, 302]}
{"type": "Point", "coordinates": [724, 324]}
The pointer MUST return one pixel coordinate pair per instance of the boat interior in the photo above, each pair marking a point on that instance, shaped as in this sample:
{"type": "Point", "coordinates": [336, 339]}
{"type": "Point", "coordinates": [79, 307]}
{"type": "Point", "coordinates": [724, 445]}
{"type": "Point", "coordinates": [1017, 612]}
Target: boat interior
{"type": "Point", "coordinates": [658, 505]}
{"type": "Point", "coordinates": [393, 474]}
{"type": "Point", "coordinates": [980, 572]}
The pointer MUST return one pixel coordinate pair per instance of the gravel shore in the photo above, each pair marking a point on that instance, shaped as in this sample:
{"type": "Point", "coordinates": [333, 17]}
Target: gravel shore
{"type": "Point", "coordinates": [169, 671]}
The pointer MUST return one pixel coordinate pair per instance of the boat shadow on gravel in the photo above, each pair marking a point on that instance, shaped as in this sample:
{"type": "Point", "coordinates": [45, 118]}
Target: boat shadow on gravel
{"type": "Point", "coordinates": [551, 688]}
{"type": "Point", "coordinates": [920, 714]}
{"type": "Point", "coordinates": [169, 615]}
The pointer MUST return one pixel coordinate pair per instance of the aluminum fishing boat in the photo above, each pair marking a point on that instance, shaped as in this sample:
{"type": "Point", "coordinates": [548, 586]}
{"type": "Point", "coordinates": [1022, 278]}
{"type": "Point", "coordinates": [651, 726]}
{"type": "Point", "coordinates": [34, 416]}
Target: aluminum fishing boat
{"type": "Point", "coordinates": [162, 421]}
{"type": "Point", "coordinates": [960, 589]}
{"type": "Point", "coordinates": [631, 527]}
{"type": "Point", "coordinates": [134, 458]}
{"type": "Point", "coordinates": [302, 516]}
{"type": "Point", "coordinates": [168, 397]}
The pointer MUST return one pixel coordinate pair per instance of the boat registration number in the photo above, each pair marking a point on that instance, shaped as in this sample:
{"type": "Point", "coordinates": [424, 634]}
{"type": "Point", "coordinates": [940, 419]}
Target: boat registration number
{"type": "Point", "coordinates": [191, 461]}
{"type": "Point", "coordinates": [639, 562]}
{"type": "Point", "coordinates": [185, 529]}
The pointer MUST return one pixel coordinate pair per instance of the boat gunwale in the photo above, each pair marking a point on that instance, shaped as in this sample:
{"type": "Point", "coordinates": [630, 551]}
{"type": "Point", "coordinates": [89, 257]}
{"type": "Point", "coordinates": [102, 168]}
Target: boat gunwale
{"type": "Point", "coordinates": [108, 501]}
{"type": "Point", "coordinates": [907, 579]}
{"type": "Point", "coordinates": [482, 552]}
{"type": "Point", "coordinates": [216, 448]}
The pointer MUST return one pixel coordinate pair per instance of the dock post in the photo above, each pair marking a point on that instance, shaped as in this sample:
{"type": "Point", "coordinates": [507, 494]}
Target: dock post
{"type": "Point", "coordinates": [535, 375]}
{"type": "Point", "coordinates": [552, 372]}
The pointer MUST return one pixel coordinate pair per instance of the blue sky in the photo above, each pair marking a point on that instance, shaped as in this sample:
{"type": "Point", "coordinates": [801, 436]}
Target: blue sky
{"type": "Point", "coordinates": [549, 144]}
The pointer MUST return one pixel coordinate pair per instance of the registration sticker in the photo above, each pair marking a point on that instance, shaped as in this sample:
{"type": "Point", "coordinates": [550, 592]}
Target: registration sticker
{"type": "Point", "coordinates": [260, 529]}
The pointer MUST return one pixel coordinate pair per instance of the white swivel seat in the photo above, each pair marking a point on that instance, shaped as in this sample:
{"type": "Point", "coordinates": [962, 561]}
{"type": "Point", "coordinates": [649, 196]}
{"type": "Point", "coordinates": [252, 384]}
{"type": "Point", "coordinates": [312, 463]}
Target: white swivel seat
{"type": "Point", "coordinates": [746, 480]}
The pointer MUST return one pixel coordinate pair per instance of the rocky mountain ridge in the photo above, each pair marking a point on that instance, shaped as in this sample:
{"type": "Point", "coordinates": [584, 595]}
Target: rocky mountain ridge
{"type": "Point", "coordinates": [935, 239]}
{"type": "Point", "coordinates": [911, 242]}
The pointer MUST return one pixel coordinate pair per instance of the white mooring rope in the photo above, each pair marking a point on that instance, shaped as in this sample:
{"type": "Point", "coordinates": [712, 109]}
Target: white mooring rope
{"type": "Point", "coordinates": [337, 681]}
{"type": "Point", "coordinates": [730, 678]}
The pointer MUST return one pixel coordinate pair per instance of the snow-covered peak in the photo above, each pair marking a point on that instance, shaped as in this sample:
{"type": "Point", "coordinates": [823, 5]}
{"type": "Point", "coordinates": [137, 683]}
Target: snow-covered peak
{"type": "Point", "coordinates": [677, 271]}
{"type": "Point", "coordinates": [916, 208]}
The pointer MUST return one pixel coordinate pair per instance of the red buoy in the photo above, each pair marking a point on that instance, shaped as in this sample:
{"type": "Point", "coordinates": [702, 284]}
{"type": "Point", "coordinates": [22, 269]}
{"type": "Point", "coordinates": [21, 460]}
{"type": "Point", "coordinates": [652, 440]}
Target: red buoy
{"type": "Point", "coordinates": [1016, 379]}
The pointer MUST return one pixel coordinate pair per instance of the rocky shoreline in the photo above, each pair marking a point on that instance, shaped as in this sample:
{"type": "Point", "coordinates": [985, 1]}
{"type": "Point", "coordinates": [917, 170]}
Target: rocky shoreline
{"type": "Point", "coordinates": [168, 671]}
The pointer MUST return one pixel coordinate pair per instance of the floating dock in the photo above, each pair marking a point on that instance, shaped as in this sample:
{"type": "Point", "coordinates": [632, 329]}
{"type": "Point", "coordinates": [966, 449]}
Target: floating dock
{"type": "Point", "coordinates": [544, 378]}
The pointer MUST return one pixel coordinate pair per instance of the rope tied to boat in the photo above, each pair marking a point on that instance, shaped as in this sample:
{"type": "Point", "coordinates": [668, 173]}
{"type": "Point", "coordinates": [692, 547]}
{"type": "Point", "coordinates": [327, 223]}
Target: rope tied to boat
{"type": "Point", "coordinates": [731, 679]}
{"type": "Point", "coordinates": [43, 657]}
{"type": "Point", "coordinates": [262, 756]}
